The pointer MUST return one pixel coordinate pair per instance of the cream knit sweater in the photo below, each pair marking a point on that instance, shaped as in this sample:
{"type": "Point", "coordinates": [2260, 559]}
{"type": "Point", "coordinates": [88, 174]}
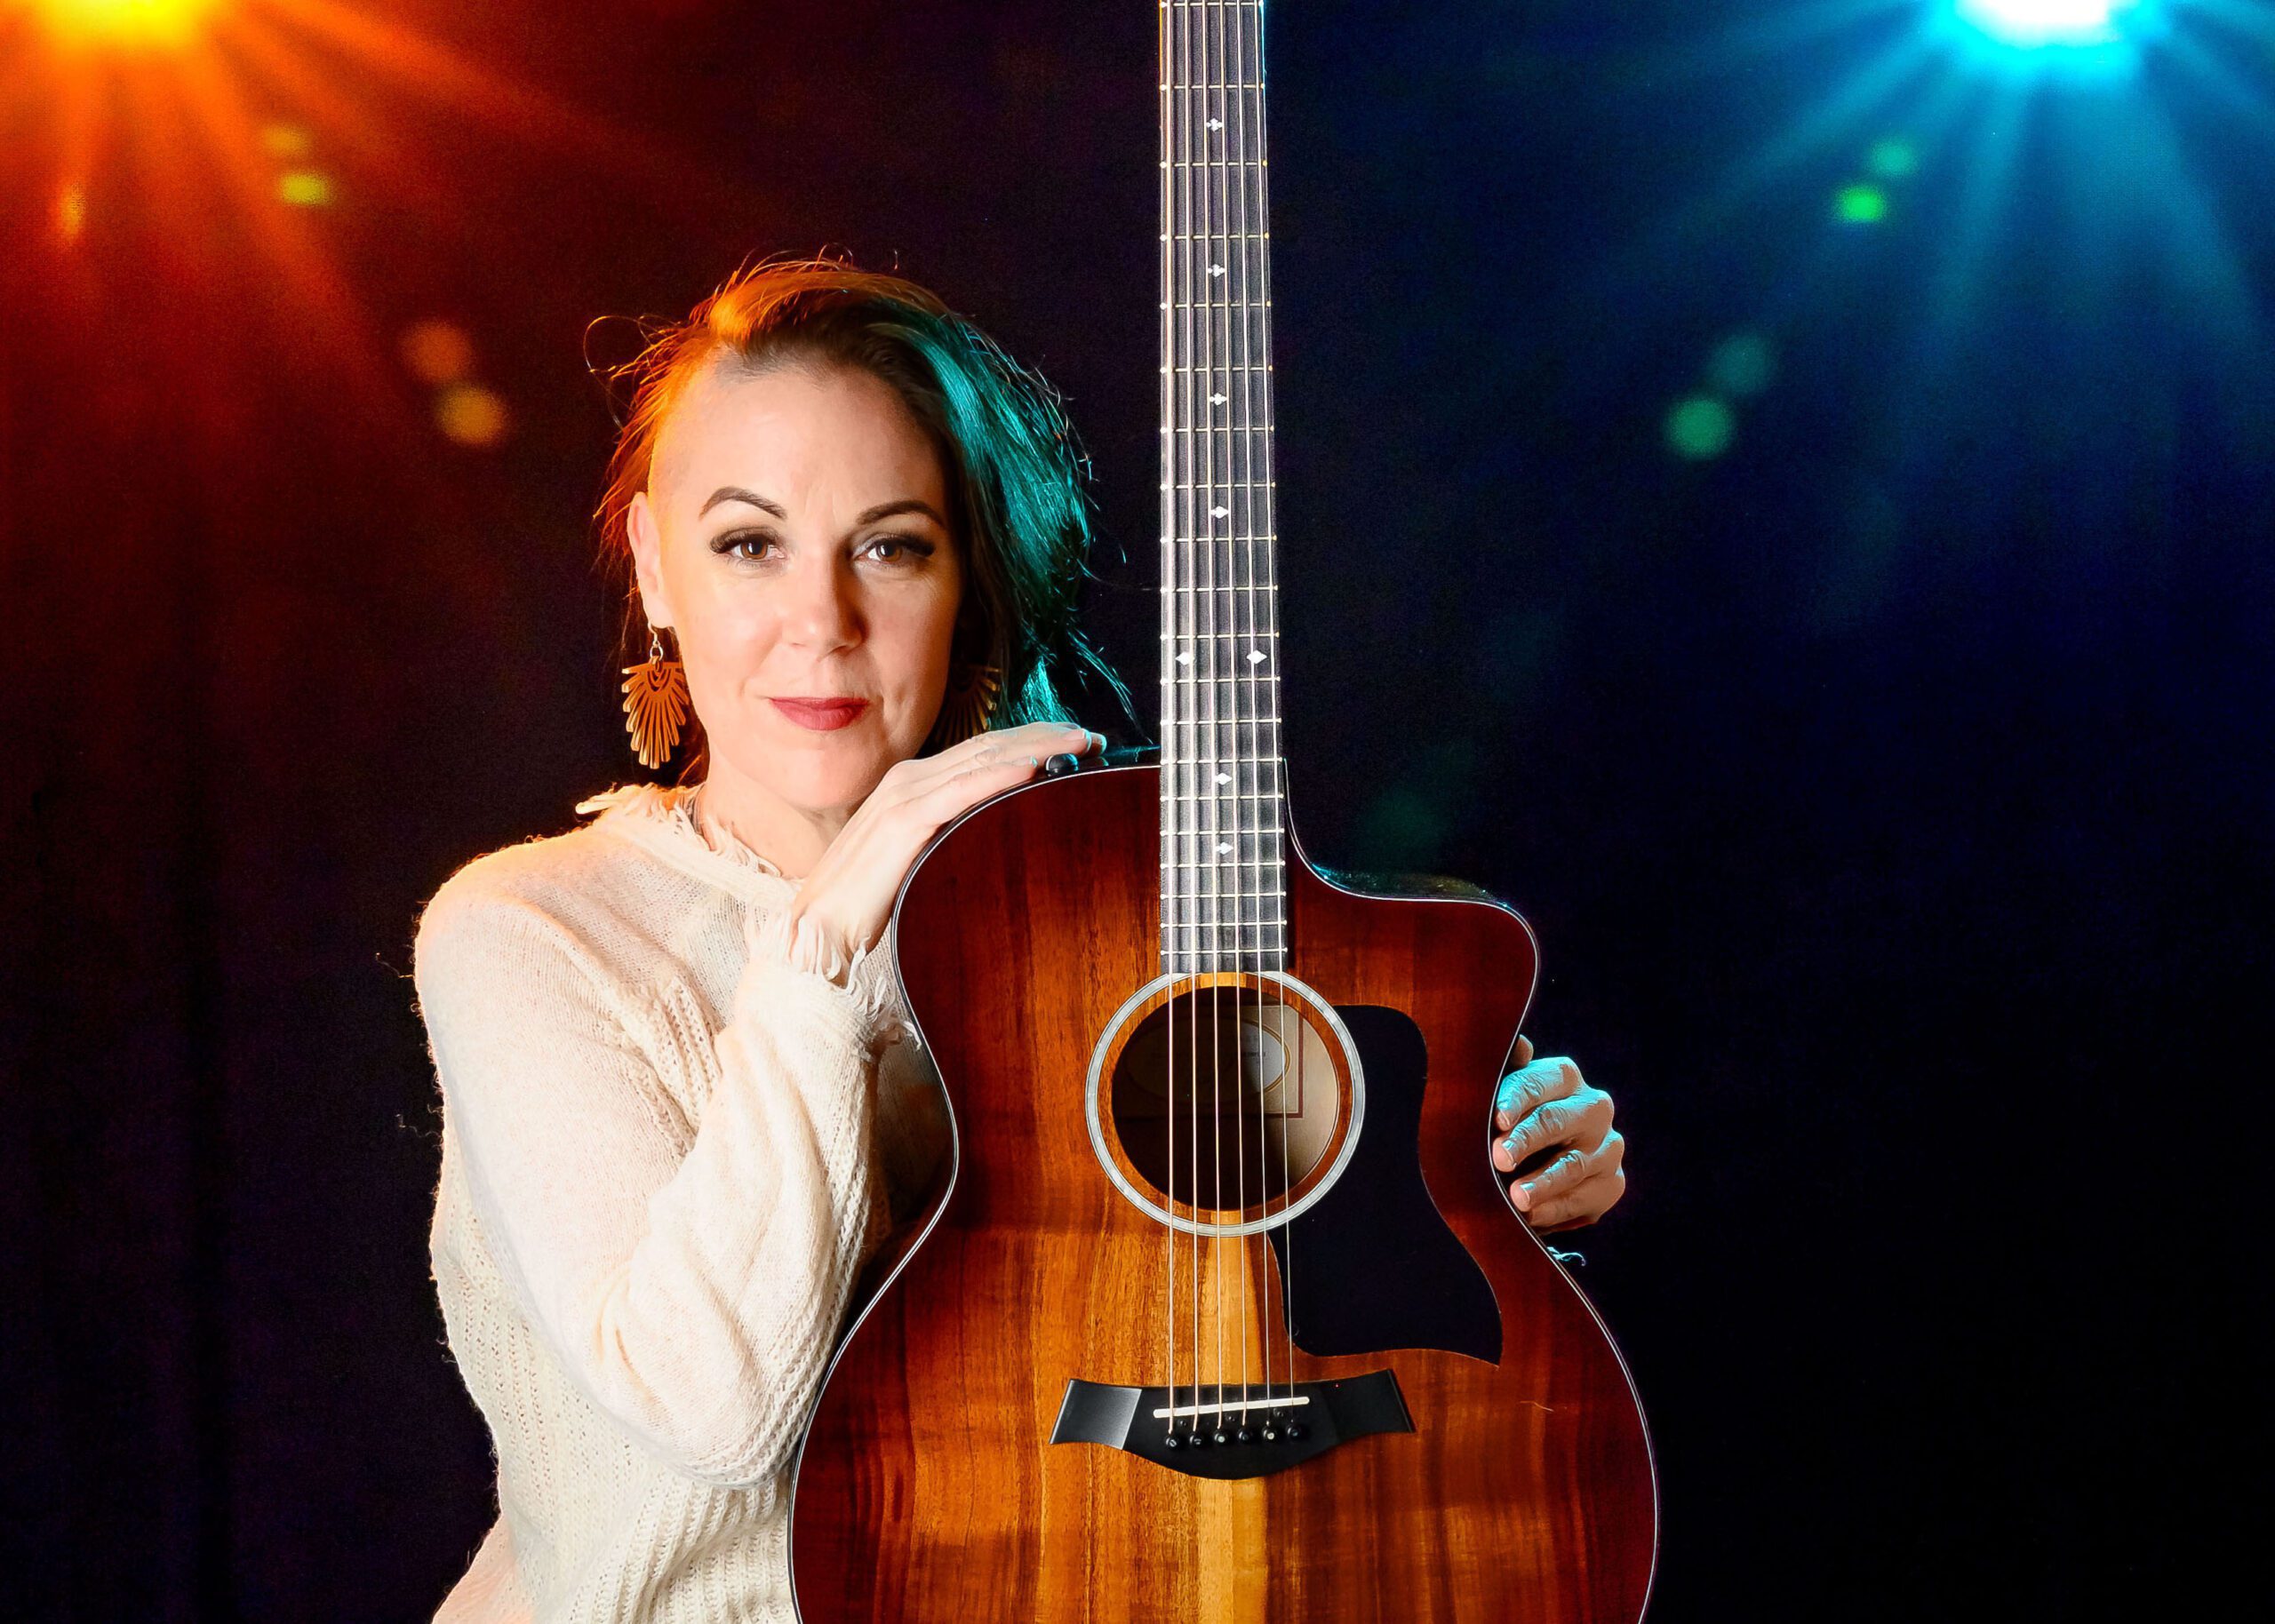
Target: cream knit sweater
{"type": "Point", "coordinates": [670, 1141]}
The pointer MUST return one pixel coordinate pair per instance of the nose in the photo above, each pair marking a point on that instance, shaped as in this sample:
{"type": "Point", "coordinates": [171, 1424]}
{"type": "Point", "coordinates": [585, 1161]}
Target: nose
{"type": "Point", "coordinates": [820, 613]}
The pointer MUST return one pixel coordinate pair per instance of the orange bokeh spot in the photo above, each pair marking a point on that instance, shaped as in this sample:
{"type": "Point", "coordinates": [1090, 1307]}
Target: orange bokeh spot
{"type": "Point", "coordinates": [125, 22]}
{"type": "Point", "coordinates": [471, 414]}
{"type": "Point", "coordinates": [437, 352]}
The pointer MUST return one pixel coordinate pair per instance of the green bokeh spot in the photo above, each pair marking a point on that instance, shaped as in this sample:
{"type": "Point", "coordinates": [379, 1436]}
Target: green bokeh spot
{"type": "Point", "coordinates": [1893, 160]}
{"type": "Point", "coordinates": [1743, 364]}
{"type": "Point", "coordinates": [1860, 205]}
{"type": "Point", "coordinates": [1701, 428]}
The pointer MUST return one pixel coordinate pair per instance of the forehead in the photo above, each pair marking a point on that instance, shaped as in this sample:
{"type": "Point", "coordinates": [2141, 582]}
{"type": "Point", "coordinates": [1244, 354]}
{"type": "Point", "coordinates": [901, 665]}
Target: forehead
{"type": "Point", "coordinates": [795, 433]}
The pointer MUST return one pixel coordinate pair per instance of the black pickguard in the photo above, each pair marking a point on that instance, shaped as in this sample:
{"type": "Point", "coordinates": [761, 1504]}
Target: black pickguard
{"type": "Point", "coordinates": [1375, 1267]}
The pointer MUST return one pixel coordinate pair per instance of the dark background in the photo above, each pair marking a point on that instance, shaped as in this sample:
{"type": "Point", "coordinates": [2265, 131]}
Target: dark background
{"type": "Point", "coordinates": [1891, 792]}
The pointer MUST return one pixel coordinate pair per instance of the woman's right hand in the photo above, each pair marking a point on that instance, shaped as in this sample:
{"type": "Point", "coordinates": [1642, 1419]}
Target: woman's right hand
{"type": "Point", "coordinates": [849, 892]}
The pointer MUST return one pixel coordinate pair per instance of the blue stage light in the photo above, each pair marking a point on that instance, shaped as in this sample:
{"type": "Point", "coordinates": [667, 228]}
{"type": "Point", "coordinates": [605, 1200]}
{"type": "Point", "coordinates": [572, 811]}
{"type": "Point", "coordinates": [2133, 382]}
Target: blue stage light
{"type": "Point", "coordinates": [2037, 24]}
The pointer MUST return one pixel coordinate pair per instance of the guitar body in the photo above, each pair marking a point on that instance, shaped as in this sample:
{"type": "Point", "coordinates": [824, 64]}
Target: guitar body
{"type": "Point", "coordinates": [930, 1489]}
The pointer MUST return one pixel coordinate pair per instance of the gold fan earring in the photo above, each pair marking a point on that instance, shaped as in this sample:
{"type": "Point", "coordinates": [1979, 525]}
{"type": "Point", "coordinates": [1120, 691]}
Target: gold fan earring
{"type": "Point", "coordinates": [969, 702]}
{"type": "Point", "coordinates": [654, 704]}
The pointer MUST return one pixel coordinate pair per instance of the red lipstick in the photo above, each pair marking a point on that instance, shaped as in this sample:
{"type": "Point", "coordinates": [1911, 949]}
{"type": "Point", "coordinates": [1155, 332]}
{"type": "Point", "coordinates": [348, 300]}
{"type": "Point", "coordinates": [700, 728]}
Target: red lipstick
{"type": "Point", "coordinates": [822, 715]}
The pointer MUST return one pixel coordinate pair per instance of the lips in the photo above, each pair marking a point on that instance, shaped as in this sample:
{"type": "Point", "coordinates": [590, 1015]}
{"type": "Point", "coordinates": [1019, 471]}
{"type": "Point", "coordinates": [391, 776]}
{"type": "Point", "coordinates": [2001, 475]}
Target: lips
{"type": "Point", "coordinates": [822, 715]}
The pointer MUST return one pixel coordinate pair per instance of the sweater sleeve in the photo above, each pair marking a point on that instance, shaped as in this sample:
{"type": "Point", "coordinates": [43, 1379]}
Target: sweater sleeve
{"type": "Point", "coordinates": [692, 1289]}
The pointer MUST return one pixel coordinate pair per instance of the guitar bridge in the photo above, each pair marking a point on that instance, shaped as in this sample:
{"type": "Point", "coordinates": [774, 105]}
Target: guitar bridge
{"type": "Point", "coordinates": [1230, 1431]}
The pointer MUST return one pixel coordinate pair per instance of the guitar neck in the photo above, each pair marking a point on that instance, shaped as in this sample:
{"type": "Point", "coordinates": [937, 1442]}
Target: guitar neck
{"type": "Point", "coordinates": [1224, 879]}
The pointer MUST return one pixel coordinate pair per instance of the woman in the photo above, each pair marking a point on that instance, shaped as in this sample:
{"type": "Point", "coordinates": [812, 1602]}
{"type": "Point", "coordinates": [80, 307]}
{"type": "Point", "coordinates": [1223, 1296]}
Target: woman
{"type": "Point", "coordinates": [681, 1106]}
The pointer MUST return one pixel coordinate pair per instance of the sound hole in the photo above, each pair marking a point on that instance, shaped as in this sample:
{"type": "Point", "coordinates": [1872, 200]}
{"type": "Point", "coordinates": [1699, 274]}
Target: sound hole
{"type": "Point", "coordinates": [1235, 1079]}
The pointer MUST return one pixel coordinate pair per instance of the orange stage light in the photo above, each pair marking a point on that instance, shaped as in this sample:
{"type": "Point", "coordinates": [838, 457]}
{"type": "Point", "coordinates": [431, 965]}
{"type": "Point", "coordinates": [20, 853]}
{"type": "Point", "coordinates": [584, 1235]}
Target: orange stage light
{"type": "Point", "coordinates": [125, 22]}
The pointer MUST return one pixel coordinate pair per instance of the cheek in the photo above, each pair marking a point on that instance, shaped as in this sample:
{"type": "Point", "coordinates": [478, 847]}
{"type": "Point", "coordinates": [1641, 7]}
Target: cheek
{"type": "Point", "coordinates": [913, 641]}
{"type": "Point", "coordinates": [731, 639]}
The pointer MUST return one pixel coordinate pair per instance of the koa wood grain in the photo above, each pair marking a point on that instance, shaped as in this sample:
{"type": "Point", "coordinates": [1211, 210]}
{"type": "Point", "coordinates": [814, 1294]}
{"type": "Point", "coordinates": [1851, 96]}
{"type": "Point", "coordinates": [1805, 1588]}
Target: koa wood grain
{"type": "Point", "coordinates": [927, 1490]}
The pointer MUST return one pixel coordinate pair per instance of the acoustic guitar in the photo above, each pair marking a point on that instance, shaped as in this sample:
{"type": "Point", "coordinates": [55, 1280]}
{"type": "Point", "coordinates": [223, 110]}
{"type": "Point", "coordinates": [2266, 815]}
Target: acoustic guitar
{"type": "Point", "coordinates": [1220, 1311]}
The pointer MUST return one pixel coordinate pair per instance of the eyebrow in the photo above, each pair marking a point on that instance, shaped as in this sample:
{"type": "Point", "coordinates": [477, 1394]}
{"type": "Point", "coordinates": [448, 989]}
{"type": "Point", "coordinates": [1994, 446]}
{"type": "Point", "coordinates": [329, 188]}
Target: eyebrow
{"type": "Point", "coordinates": [883, 510]}
{"type": "Point", "coordinates": [736, 493]}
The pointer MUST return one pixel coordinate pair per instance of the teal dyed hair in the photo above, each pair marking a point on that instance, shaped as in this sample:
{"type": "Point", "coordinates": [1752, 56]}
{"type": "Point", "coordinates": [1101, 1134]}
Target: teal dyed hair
{"type": "Point", "coordinates": [1015, 473]}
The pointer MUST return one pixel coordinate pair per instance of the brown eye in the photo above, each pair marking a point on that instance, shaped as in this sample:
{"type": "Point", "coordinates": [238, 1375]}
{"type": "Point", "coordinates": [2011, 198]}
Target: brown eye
{"type": "Point", "coordinates": [898, 549]}
{"type": "Point", "coordinates": [735, 543]}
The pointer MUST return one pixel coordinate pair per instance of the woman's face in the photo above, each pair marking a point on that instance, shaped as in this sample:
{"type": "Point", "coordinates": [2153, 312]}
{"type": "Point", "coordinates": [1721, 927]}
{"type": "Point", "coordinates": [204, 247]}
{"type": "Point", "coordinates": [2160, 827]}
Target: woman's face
{"type": "Point", "coordinates": [795, 532]}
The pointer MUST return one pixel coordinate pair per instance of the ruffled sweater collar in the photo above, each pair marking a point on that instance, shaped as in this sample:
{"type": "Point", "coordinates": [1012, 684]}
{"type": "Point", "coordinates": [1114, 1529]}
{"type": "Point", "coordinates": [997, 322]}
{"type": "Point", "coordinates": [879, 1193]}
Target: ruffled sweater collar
{"type": "Point", "coordinates": [662, 817]}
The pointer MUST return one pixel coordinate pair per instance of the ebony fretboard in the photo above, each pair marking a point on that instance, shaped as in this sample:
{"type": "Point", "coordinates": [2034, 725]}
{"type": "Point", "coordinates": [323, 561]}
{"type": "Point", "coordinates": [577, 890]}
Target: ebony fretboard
{"type": "Point", "coordinates": [1224, 887]}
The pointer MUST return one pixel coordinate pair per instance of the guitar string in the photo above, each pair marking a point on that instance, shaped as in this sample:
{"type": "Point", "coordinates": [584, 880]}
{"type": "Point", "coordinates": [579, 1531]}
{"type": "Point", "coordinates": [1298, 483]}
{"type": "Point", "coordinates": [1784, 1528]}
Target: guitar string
{"type": "Point", "coordinates": [1248, 886]}
{"type": "Point", "coordinates": [1267, 526]}
{"type": "Point", "coordinates": [1221, 426]}
{"type": "Point", "coordinates": [1242, 230]}
{"type": "Point", "coordinates": [1172, 908]}
{"type": "Point", "coordinates": [1200, 553]}
{"type": "Point", "coordinates": [1219, 556]}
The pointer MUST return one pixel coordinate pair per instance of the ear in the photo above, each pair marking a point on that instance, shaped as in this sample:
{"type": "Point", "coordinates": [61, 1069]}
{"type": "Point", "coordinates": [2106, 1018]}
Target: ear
{"type": "Point", "coordinates": [648, 559]}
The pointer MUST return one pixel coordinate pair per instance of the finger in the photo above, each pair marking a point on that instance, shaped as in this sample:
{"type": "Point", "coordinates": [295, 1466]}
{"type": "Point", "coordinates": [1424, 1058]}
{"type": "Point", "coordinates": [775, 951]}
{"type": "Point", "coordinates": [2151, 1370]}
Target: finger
{"type": "Point", "coordinates": [1521, 1055]}
{"type": "Point", "coordinates": [1020, 746]}
{"type": "Point", "coordinates": [1567, 1171]}
{"type": "Point", "coordinates": [1527, 1090]}
{"type": "Point", "coordinates": [1582, 1119]}
{"type": "Point", "coordinates": [1583, 1204]}
{"type": "Point", "coordinates": [1038, 739]}
{"type": "Point", "coordinates": [951, 797]}
{"type": "Point", "coordinates": [1052, 737]}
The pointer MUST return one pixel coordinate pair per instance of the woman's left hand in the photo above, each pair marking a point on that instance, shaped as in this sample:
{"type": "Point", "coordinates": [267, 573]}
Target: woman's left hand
{"type": "Point", "coordinates": [1551, 1125]}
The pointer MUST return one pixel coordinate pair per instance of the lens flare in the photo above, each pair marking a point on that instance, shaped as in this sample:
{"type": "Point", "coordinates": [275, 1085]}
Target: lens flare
{"type": "Point", "coordinates": [304, 188]}
{"type": "Point", "coordinates": [1743, 365]}
{"type": "Point", "coordinates": [1860, 205]}
{"type": "Point", "coordinates": [1701, 428]}
{"type": "Point", "coordinates": [437, 353]}
{"type": "Point", "coordinates": [472, 415]}
{"type": "Point", "coordinates": [125, 22]}
{"type": "Point", "coordinates": [1893, 160]}
{"type": "Point", "coordinates": [2032, 23]}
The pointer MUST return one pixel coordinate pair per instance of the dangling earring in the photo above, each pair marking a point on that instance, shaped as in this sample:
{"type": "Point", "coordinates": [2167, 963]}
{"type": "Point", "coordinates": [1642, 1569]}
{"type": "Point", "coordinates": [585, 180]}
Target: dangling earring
{"type": "Point", "coordinates": [654, 704]}
{"type": "Point", "coordinates": [969, 702]}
